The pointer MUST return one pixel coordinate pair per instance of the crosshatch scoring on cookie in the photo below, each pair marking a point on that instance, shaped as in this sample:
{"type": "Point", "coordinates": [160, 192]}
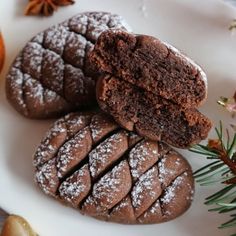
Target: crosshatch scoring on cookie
{"type": "Point", "coordinates": [114, 175]}
{"type": "Point", "coordinates": [52, 75]}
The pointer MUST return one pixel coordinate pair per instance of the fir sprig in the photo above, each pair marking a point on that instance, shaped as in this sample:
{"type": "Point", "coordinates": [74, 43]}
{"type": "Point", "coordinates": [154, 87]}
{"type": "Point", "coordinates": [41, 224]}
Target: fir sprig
{"type": "Point", "coordinates": [222, 170]}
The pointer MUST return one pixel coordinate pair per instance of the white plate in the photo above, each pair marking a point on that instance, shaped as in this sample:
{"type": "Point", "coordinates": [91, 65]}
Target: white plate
{"type": "Point", "coordinates": [199, 28]}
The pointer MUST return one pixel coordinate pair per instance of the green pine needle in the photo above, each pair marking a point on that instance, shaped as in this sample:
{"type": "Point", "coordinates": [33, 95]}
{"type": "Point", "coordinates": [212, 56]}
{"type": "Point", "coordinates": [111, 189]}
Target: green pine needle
{"type": "Point", "coordinates": [221, 170]}
{"type": "Point", "coordinates": [221, 192]}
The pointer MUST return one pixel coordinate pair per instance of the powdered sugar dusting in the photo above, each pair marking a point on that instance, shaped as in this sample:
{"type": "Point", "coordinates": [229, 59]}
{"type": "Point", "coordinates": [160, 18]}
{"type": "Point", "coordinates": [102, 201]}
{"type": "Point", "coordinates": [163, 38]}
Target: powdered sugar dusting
{"type": "Point", "coordinates": [55, 38]}
{"type": "Point", "coordinates": [45, 176]}
{"type": "Point", "coordinates": [123, 204]}
{"type": "Point", "coordinates": [119, 22]}
{"type": "Point", "coordinates": [47, 148]}
{"type": "Point", "coordinates": [16, 80]}
{"type": "Point", "coordinates": [177, 162]}
{"type": "Point", "coordinates": [138, 155]}
{"type": "Point", "coordinates": [145, 199]}
{"type": "Point", "coordinates": [99, 157]}
{"type": "Point", "coordinates": [143, 186]}
{"type": "Point", "coordinates": [101, 125]}
{"type": "Point", "coordinates": [45, 57]}
{"type": "Point", "coordinates": [34, 90]}
{"type": "Point", "coordinates": [75, 123]}
{"type": "Point", "coordinates": [108, 186]}
{"type": "Point", "coordinates": [76, 44]}
{"type": "Point", "coordinates": [17, 63]}
{"type": "Point", "coordinates": [32, 59]}
{"type": "Point", "coordinates": [50, 96]}
{"type": "Point", "coordinates": [79, 23]}
{"type": "Point", "coordinates": [38, 38]}
{"type": "Point", "coordinates": [66, 154]}
{"type": "Point", "coordinates": [191, 193]}
{"type": "Point", "coordinates": [73, 187]}
{"type": "Point", "coordinates": [155, 208]}
{"type": "Point", "coordinates": [76, 80]}
{"type": "Point", "coordinates": [169, 193]}
{"type": "Point", "coordinates": [163, 171]}
{"type": "Point", "coordinates": [54, 67]}
{"type": "Point", "coordinates": [96, 128]}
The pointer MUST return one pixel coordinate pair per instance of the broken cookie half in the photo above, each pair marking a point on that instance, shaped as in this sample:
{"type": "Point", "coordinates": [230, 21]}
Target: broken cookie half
{"type": "Point", "coordinates": [150, 87]}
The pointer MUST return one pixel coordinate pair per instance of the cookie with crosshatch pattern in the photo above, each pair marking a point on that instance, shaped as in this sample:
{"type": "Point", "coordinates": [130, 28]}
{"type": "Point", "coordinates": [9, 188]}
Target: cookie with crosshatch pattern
{"type": "Point", "coordinates": [51, 75]}
{"type": "Point", "coordinates": [88, 162]}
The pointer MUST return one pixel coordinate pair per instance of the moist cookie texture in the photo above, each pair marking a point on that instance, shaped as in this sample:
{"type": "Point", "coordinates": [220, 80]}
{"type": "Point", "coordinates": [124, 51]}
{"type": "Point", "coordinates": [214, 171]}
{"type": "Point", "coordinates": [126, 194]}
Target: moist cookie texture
{"type": "Point", "coordinates": [87, 162]}
{"type": "Point", "coordinates": [152, 65]}
{"type": "Point", "coordinates": [150, 115]}
{"type": "Point", "coordinates": [150, 87]}
{"type": "Point", "coordinates": [51, 75]}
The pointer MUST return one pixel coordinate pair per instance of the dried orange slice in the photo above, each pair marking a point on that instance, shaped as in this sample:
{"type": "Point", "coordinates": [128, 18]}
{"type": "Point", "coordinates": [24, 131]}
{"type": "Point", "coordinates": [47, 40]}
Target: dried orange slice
{"type": "Point", "coordinates": [2, 52]}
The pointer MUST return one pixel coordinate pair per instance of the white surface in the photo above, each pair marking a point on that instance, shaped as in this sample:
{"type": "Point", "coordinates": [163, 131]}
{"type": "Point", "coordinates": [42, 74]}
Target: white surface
{"type": "Point", "coordinates": [199, 28]}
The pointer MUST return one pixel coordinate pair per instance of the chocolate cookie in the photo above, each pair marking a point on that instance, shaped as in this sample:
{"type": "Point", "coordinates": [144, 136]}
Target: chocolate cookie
{"type": "Point", "coordinates": [152, 65]}
{"type": "Point", "coordinates": [52, 75]}
{"type": "Point", "coordinates": [87, 162]}
{"type": "Point", "coordinates": [150, 115]}
{"type": "Point", "coordinates": [148, 86]}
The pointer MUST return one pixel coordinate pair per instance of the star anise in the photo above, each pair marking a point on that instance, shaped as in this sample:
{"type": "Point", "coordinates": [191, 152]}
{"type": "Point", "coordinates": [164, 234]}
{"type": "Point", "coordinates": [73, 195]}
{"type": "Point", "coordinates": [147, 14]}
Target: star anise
{"type": "Point", "coordinates": [45, 7]}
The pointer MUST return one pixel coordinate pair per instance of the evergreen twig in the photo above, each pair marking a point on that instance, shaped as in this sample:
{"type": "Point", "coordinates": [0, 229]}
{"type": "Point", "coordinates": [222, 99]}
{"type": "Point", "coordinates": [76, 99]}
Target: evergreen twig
{"type": "Point", "coordinates": [222, 170]}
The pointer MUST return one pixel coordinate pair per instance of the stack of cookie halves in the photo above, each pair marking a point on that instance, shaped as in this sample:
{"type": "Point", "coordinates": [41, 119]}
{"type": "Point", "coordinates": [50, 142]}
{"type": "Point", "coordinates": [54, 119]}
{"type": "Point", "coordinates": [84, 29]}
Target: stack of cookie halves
{"type": "Point", "coordinates": [125, 98]}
